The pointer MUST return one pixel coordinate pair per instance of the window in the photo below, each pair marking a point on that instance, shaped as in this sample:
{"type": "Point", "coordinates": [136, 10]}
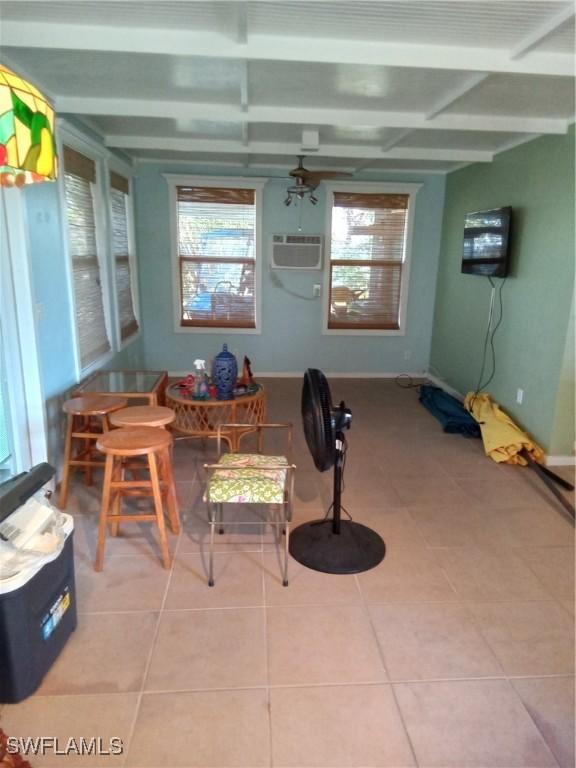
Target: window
{"type": "Point", "coordinates": [80, 195]}
{"type": "Point", "coordinates": [120, 217]}
{"type": "Point", "coordinates": [217, 247]}
{"type": "Point", "coordinates": [368, 260]}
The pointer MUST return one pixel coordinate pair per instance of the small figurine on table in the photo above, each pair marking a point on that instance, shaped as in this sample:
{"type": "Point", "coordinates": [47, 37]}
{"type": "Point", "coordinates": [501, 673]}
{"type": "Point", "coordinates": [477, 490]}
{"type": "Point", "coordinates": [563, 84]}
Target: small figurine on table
{"type": "Point", "coordinates": [247, 377]}
{"type": "Point", "coordinates": [246, 382]}
{"type": "Point", "coordinates": [186, 386]}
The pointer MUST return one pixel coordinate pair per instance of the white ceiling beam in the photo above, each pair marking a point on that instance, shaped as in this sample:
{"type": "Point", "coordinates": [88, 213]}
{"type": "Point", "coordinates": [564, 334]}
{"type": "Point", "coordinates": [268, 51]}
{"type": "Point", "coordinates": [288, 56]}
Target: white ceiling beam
{"type": "Point", "coordinates": [396, 139]}
{"type": "Point", "coordinates": [241, 23]}
{"type": "Point", "coordinates": [363, 166]}
{"type": "Point", "coordinates": [458, 167]}
{"type": "Point", "coordinates": [537, 36]}
{"type": "Point", "coordinates": [229, 113]}
{"type": "Point", "coordinates": [183, 42]}
{"type": "Point", "coordinates": [281, 175]}
{"type": "Point", "coordinates": [203, 162]}
{"type": "Point", "coordinates": [515, 142]}
{"type": "Point", "coordinates": [244, 85]}
{"type": "Point", "coordinates": [457, 93]}
{"type": "Point", "coordinates": [244, 92]}
{"type": "Point", "coordinates": [412, 170]}
{"type": "Point", "coordinates": [222, 146]}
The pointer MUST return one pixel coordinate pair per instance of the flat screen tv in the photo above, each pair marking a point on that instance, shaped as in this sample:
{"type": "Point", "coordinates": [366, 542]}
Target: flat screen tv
{"type": "Point", "coordinates": [487, 242]}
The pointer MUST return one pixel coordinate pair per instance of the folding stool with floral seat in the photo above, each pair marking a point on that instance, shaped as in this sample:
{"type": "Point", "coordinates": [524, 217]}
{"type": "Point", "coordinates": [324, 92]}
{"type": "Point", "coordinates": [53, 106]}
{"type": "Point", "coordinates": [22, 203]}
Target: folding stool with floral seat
{"type": "Point", "coordinates": [251, 478]}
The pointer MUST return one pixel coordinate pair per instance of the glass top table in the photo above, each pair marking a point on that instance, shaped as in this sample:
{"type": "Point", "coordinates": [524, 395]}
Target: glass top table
{"type": "Point", "coordinates": [144, 385]}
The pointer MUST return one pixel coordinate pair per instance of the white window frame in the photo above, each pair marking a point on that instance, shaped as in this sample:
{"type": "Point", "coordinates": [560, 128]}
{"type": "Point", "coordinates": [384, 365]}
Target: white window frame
{"type": "Point", "coordinates": [68, 135]}
{"type": "Point", "coordinates": [23, 377]}
{"type": "Point", "coordinates": [257, 184]}
{"type": "Point", "coordinates": [117, 166]}
{"type": "Point", "coordinates": [374, 188]}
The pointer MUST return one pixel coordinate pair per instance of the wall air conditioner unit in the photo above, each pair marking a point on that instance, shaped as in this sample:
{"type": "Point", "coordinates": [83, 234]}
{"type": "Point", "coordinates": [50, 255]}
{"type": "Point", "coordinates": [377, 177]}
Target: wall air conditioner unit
{"type": "Point", "coordinates": [296, 251]}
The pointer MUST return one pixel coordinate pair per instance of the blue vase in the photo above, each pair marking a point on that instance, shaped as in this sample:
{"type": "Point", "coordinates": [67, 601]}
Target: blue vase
{"type": "Point", "coordinates": [224, 374]}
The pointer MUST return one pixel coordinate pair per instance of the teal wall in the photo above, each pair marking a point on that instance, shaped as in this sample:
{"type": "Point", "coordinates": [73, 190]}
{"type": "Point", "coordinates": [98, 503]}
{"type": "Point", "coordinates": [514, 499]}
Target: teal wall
{"type": "Point", "coordinates": [562, 440]}
{"type": "Point", "coordinates": [291, 338]}
{"type": "Point", "coordinates": [54, 330]}
{"type": "Point", "coordinates": [537, 180]}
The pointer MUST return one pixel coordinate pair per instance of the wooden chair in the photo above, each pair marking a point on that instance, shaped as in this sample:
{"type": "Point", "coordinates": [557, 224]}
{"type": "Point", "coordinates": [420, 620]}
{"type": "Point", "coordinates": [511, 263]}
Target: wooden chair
{"type": "Point", "coordinates": [120, 445]}
{"type": "Point", "coordinates": [88, 419]}
{"type": "Point", "coordinates": [251, 478]}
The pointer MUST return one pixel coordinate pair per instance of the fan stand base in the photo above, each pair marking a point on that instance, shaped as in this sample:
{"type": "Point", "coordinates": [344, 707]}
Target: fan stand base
{"type": "Point", "coordinates": [355, 549]}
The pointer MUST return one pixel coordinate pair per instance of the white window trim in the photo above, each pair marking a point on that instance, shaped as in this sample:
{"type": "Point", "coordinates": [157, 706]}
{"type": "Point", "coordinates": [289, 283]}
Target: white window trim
{"type": "Point", "coordinates": [117, 166]}
{"type": "Point", "coordinates": [180, 180]}
{"type": "Point", "coordinates": [23, 378]}
{"type": "Point", "coordinates": [69, 136]}
{"type": "Point", "coordinates": [375, 188]}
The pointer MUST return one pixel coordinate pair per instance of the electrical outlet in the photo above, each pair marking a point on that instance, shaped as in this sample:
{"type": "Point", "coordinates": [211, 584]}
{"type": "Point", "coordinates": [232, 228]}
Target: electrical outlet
{"type": "Point", "coordinates": [407, 354]}
{"type": "Point", "coordinates": [519, 396]}
{"type": "Point", "coordinates": [317, 290]}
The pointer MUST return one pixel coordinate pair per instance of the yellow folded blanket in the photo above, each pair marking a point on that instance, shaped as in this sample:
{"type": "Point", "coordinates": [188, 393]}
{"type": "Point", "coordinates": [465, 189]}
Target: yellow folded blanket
{"type": "Point", "coordinates": [503, 440]}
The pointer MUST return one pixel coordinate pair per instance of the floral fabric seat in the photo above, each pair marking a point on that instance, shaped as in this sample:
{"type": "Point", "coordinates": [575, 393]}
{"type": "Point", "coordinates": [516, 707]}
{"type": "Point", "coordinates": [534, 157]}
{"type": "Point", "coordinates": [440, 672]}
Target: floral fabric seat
{"type": "Point", "coordinates": [247, 478]}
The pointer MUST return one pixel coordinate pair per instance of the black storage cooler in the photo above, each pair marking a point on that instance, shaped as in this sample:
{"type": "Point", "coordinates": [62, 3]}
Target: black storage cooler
{"type": "Point", "coordinates": [37, 605]}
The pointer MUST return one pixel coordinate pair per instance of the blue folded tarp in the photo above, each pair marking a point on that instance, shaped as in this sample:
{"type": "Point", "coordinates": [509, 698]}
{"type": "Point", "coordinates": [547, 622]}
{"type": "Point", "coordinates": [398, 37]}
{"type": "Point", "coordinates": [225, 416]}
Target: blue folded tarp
{"type": "Point", "coordinates": [449, 411]}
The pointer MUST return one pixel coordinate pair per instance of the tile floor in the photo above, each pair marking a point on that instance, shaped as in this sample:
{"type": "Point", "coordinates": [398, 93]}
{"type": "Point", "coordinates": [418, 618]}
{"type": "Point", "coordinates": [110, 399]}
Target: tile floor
{"type": "Point", "coordinates": [458, 650]}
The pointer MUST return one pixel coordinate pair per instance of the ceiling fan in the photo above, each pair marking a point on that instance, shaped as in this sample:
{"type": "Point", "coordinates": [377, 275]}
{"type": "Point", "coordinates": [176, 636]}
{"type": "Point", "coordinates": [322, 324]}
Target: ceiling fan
{"type": "Point", "coordinates": [306, 181]}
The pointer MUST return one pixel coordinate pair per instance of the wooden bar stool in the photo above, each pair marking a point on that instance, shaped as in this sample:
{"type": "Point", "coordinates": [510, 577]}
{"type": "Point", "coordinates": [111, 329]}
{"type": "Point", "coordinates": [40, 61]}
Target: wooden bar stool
{"type": "Point", "coordinates": [83, 413]}
{"type": "Point", "coordinates": [118, 445]}
{"type": "Point", "coordinates": [143, 416]}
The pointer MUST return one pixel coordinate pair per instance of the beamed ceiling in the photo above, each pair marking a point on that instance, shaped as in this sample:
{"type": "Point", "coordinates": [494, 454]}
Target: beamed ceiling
{"type": "Point", "coordinates": [416, 85]}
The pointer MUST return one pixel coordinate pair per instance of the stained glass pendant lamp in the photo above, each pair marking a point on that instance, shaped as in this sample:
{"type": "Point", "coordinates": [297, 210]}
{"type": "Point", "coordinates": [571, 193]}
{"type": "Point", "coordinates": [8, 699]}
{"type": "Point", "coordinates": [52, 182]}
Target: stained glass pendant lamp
{"type": "Point", "coordinates": [27, 146]}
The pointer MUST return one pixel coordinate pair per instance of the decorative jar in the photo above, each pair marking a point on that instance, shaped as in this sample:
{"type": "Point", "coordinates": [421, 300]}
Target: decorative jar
{"type": "Point", "coordinates": [224, 374]}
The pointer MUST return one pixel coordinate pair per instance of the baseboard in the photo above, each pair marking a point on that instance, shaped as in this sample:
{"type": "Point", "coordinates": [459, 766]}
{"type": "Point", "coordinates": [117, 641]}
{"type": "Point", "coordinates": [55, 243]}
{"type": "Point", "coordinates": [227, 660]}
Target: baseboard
{"type": "Point", "coordinates": [438, 382]}
{"type": "Point", "coordinates": [328, 374]}
{"type": "Point", "coordinates": [561, 461]}
{"type": "Point", "coordinates": [340, 375]}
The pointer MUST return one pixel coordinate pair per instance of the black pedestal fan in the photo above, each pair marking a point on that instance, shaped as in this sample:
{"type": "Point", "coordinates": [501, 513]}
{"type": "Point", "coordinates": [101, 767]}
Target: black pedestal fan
{"type": "Point", "coordinates": [331, 545]}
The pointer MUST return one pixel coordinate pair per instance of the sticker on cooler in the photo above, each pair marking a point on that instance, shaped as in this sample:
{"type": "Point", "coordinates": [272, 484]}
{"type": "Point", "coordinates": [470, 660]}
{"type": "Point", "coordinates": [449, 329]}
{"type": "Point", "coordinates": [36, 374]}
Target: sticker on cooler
{"type": "Point", "coordinates": [54, 616]}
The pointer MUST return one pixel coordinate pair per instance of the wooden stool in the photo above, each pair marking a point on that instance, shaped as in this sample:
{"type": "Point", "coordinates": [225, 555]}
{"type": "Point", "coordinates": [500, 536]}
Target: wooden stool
{"type": "Point", "coordinates": [143, 416]}
{"type": "Point", "coordinates": [125, 443]}
{"type": "Point", "coordinates": [81, 414]}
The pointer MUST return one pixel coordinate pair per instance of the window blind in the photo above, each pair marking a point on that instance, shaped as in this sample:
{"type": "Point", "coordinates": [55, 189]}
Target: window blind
{"type": "Point", "coordinates": [368, 246]}
{"type": "Point", "coordinates": [79, 187]}
{"type": "Point", "coordinates": [216, 250]}
{"type": "Point", "coordinates": [119, 198]}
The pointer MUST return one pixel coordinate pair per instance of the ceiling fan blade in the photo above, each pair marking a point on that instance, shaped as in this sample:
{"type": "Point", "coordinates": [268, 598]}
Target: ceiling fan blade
{"type": "Point", "coordinates": [299, 171]}
{"type": "Point", "coordinates": [309, 180]}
